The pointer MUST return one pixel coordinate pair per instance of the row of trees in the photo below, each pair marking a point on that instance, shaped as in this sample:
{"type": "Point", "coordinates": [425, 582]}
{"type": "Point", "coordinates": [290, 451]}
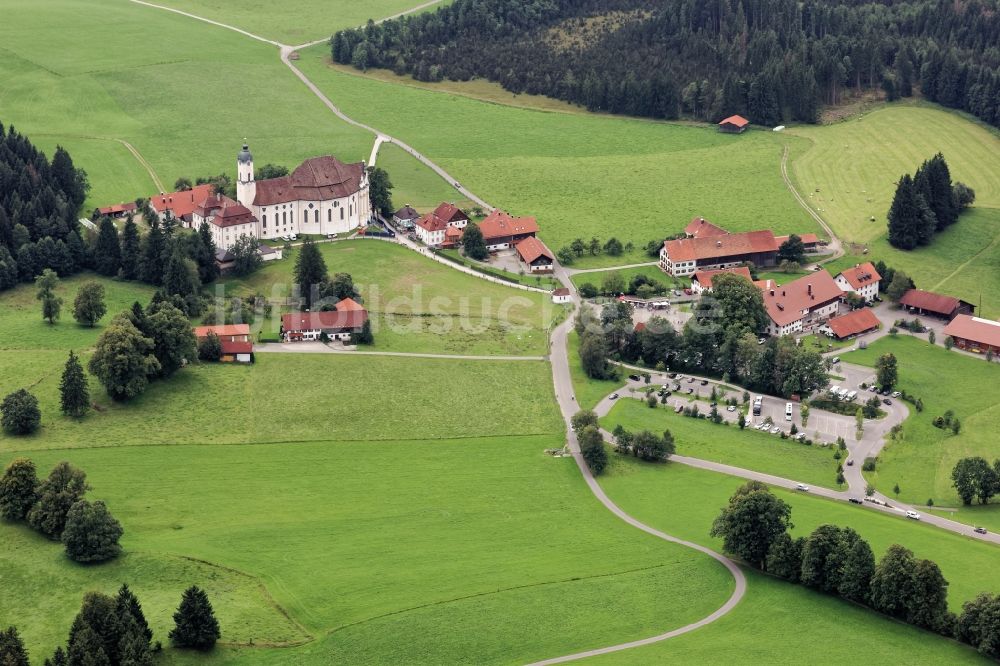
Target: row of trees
{"type": "Point", "coordinates": [594, 247]}
{"type": "Point", "coordinates": [768, 60]}
{"type": "Point", "coordinates": [644, 445]}
{"type": "Point", "coordinates": [836, 560]}
{"type": "Point", "coordinates": [925, 204]}
{"type": "Point", "coordinates": [113, 631]}
{"type": "Point", "coordinates": [57, 509]}
{"type": "Point", "coordinates": [975, 479]}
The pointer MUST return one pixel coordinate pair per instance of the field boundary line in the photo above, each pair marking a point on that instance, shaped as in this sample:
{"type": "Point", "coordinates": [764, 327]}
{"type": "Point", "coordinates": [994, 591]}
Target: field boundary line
{"type": "Point", "coordinates": [243, 32]}
{"type": "Point", "coordinates": [961, 267]}
{"type": "Point", "coordinates": [834, 239]}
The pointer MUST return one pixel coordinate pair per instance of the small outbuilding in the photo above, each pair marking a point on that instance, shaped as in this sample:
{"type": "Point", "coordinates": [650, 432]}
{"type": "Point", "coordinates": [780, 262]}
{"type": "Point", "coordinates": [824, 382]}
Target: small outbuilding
{"type": "Point", "coordinates": [562, 295]}
{"type": "Point", "coordinates": [535, 255]}
{"type": "Point", "coordinates": [405, 217]}
{"type": "Point", "coordinates": [918, 301]}
{"type": "Point", "coordinates": [734, 124]}
{"type": "Point", "coordinates": [851, 324]}
{"type": "Point", "coordinates": [237, 347]}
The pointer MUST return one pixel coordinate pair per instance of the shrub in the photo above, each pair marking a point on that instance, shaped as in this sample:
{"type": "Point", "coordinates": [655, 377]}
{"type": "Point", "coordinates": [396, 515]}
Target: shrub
{"type": "Point", "coordinates": [91, 533]}
{"type": "Point", "coordinates": [868, 465]}
{"type": "Point", "coordinates": [20, 413]}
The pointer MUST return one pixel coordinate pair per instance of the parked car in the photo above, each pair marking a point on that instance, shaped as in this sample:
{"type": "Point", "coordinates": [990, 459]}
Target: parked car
{"type": "Point", "coordinates": [714, 404]}
{"type": "Point", "coordinates": [634, 378]}
{"type": "Point", "coordinates": [704, 382]}
{"type": "Point", "coordinates": [799, 437]}
{"type": "Point", "coordinates": [614, 396]}
{"type": "Point", "coordinates": [293, 236]}
{"type": "Point", "coordinates": [690, 391]}
{"type": "Point", "coordinates": [331, 236]}
{"type": "Point", "coordinates": [836, 359]}
{"type": "Point", "coordinates": [854, 500]}
{"type": "Point", "coordinates": [677, 387]}
{"type": "Point", "coordinates": [850, 462]}
{"type": "Point", "coordinates": [896, 394]}
{"type": "Point", "coordinates": [775, 430]}
{"type": "Point", "coordinates": [672, 375]}
{"type": "Point", "coordinates": [886, 392]}
{"type": "Point", "coordinates": [731, 408]}
{"type": "Point", "coordinates": [690, 380]}
{"type": "Point", "coordinates": [912, 515]}
{"type": "Point", "coordinates": [979, 530]}
{"type": "Point", "coordinates": [886, 401]}
{"type": "Point", "coordinates": [873, 389]}
{"type": "Point", "coordinates": [761, 341]}
{"type": "Point", "coordinates": [801, 486]}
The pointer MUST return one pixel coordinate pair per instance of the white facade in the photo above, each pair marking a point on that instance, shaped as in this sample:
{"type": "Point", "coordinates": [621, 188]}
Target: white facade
{"type": "Point", "coordinates": [820, 313]}
{"type": "Point", "coordinates": [562, 298]}
{"type": "Point", "coordinates": [225, 237]}
{"type": "Point", "coordinates": [867, 292]}
{"type": "Point", "coordinates": [429, 238]}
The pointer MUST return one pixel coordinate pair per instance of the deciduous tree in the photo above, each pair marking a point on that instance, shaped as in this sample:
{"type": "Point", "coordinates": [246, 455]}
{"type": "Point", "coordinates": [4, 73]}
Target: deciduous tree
{"type": "Point", "coordinates": [64, 487]}
{"type": "Point", "coordinates": [46, 284]}
{"type": "Point", "coordinates": [19, 413]}
{"type": "Point", "coordinates": [751, 522]}
{"type": "Point", "coordinates": [18, 489]}
{"type": "Point", "coordinates": [91, 533]}
{"type": "Point", "coordinates": [592, 449]}
{"type": "Point", "coordinates": [88, 306]}
{"type": "Point", "coordinates": [123, 360]}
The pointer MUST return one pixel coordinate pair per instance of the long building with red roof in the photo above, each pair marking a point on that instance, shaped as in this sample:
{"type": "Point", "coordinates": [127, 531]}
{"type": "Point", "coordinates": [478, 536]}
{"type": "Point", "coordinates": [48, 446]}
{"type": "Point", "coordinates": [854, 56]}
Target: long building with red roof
{"type": "Point", "coordinates": [856, 322]}
{"type": "Point", "coordinates": [687, 256]}
{"type": "Point", "coordinates": [234, 338]}
{"type": "Point", "coordinates": [349, 317]}
{"type": "Point", "coordinates": [802, 304]}
{"type": "Point", "coordinates": [918, 301]}
{"type": "Point", "coordinates": [501, 230]}
{"type": "Point", "coordinates": [974, 334]}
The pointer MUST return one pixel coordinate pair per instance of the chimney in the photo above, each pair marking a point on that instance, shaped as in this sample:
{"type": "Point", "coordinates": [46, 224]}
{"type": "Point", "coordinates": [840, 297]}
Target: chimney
{"type": "Point", "coordinates": [772, 292]}
{"type": "Point", "coordinates": [809, 289]}
{"type": "Point", "coordinates": [718, 243]}
{"type": "Point", "coordinates": [783, 292]}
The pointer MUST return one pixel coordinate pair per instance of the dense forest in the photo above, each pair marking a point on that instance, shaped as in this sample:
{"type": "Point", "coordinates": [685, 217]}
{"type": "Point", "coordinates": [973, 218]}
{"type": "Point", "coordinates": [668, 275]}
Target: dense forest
{"type": "Point", "coordinates": [39, 201]}
{"type": "Point", "coordinates": [770, 60]}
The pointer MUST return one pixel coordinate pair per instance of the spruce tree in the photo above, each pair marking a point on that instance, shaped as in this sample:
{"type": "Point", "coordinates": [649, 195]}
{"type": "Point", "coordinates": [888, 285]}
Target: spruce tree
{"type": "Point", "coordinates": [310, 272]}
{"type": "Point", "coordinates": [12, 651]}
{"type": "Point", "coordinates": [18, 489]}
{"type": "Point", "coordinates": [154, 254]}
{"type": "Point", "coordinates": [129, 603]}
{"type": "Point", "coordinates": [91, 533]}
{"type": "Point", "coordinates": [64, 486]}
{"type": "Point", "coordinates": [195, 625]}
{"type": "Point", "coordinates": [73, 392]}
{"type": "Point", "coordinates": [131, 250]}
{"type": "Point", "coordinates": [911, 222]}
{"type": "Point", "coordinates": [107, 249]}
{"type": "Point", "coordinates": [208, 270]}
{"type": "Point", "coordinates": [58, 658]}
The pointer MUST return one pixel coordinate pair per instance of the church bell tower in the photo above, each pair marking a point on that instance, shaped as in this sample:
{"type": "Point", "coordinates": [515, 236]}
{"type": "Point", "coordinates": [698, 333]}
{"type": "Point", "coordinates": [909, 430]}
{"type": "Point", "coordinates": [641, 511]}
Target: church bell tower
{"type": "Point", "coordinates": [246, 188]}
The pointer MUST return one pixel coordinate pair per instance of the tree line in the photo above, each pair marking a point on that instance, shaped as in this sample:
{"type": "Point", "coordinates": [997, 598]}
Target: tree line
{"type": "Point", "coordinates": [721, 339]}
{"type": "Point", "coordinates": [113, 631]}
{"type": "Point", "coordinates": [769, 60]}
{"type": "Point", "coordinates": [837, 560]}
{"type": "Point", "coordinates": [925, 204]}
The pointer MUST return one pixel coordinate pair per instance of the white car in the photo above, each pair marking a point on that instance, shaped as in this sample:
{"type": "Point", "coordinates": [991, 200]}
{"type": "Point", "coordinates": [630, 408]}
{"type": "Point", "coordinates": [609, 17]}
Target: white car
{"type": "Point", "coordinates": [801, 486]}
{"type": "Point", "coordinates": [912, 515]}
{"type": "Point", "coordinates": [775, 430]}
{"type": "Point", "coordinates": [294, 237]}
{"type": "Point", "coordinates": [731, 408]}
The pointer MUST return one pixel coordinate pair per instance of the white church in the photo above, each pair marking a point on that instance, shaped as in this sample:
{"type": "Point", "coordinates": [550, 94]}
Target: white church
{"type": "Point", "coordinates": [322, 196]}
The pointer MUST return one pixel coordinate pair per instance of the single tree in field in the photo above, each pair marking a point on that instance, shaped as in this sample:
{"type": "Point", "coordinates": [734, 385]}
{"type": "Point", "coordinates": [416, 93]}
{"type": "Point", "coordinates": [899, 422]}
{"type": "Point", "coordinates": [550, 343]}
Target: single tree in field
{"type": "Point", "coordinates": [18, 489]}
{"type": "Point", "coordinates": [792, 250]}
{"type": "Point", "coordinates": [88, 306]}
{"type": "Point", "coordinates": [19, 413]}
{"type": "Point", "coordinates": [51, 304]}
{"type": "Point", "coordinates": [74, 395]}
{"type": "Point", "coordinates": [310, 272]}
{"type": "Point", "coordinates": [582, 419]}
{"type": "Point", "coordinates": [473, 243]}
{"type": "Point", "coordinates": [751, 522]}
{"type": "Point", "coordinates": [12, 651]}
{"type": "Point", "coordinates": [131, 249]}
{"type": "Point", "coordinates": [592, 449]}
{"type": "Point", "coordinates": [974, 478]}
{"type": "Point", "coordinates": [91, 533]}
{"type": "Point", "coordinates": [380, 190]}
{"type": "Point", "coordinates": [210, 349]}
{"type": "Point", "coordinates": [887, 371]}
{"type": "Point", "coordinates": [107, 249]}
{"type": "Point", "coordinates": [195, 625]}
{"type": "Point", "coordinates": [64, 486]}
{"type": "Point", "coordinates": [895, 490]}
{"type": "Point", "coordinates": [123, 359]}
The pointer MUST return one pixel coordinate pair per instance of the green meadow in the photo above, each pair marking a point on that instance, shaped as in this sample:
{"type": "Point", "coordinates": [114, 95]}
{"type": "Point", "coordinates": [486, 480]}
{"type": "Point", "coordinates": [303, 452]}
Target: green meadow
{"type": "Point", "coordinates": [414, 184]}
{"type": "Point", "coordinates": [748, 448]}
{"type": "Point", "coordinates": [580, 175]}
{"type": "Point", "coordinates": [921, 462]}
{"type": "Point", "coordinates": [597, 278]}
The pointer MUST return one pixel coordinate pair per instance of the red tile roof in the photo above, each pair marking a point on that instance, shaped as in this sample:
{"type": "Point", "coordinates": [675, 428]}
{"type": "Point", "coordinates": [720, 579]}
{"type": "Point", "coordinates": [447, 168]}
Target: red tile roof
{"type": "Point", "coordinates": [807, 239]}
{"type": "Point", "coordinates": [349, 305]}
{"type": "Point", "coordinates": [853, 323]}
{"type": "Point", "coordinates": [561, 291]}
{"type": "Point", "coordinates": [431, 222]}
{"type": "Point", "coordinates": [699, 227]}
{"type": "Point", "coordinates": [316, 179]}
{"type": "Point", "coordinates": [861, 275]}
{"type": "Point", "coordinates": [739, 121]}
{"type": "Point", "coordinates": [929, 301]}
{"type": "Point", "coordinates": [181, 203]}
{"type": "Point", "coordinates": [236, 347]}
{"type": "Point", "coordinates": [449, 212]}
{"type": "Point", "coordinates": [117, 208]}
{"type": "Point", "coordinates": [704, 278]}
{"type": "Point", "coordinates": [531, 249]}
{"type": "Point", "coordinates": [975, 329]}
{"type": "Point", "coordinates": [499, 224]}
{"type": "Point", "coordinates": [712, 247]}
{"type": "Point", "coordinates": [222, 330]}
{"type": "Point", "coordinates": [233, 215]}
{"type": "Point", "coordinates": [786, 304]}
{"type": "Point", "coordinates": [349, 315]}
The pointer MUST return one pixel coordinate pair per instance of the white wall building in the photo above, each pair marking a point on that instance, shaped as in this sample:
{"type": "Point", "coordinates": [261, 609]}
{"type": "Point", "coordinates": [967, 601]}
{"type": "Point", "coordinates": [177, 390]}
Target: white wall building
{"type": "Point", "coordinates": [863, 280]}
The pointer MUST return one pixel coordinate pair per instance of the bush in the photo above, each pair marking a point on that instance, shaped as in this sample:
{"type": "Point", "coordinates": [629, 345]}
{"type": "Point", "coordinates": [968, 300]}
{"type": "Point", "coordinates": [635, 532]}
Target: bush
{"type": "Point", "coordinates": [91, 533]}
{"type": "Point", "coordinates": [588, 290]}
{"type": "Point", "coordinates": [868, 465]}
{"type": "Point", "coordinates": [21, 415]}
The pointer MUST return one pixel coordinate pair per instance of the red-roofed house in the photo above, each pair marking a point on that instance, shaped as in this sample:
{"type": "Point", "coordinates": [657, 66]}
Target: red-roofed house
{"type": "Point", "coordinates": [321, 196]}
{"type": "Point", "coordinates": [501, 230]}
{"type": "Point", "coordinates": [974, 333]}
{"type": "Point", "coordinates": [118, 210]}
{"type": "Point", "coordinates": [802, 304]}
{"type": "Point", "coordinates": [432, 228]}
{"type": "Point", "coordinates": [863, 280]}
{"type": "Point", "coordinates": [926, 302]}
{"type": "Point", "coordinates": [231, 223]}
{"type": "Point", "coordinates": [687, 256]}
{"type": "Point", "coordinates": [562, 295]}
{"type": "Point", "coordinates": [809, 241]}
{"type": "Point", "coordinates": [349, 317]}
{"type": "Point", "coordinates": [535, 255]}
{"type": "Point", "coordinates": [702, 280]}
{"type": "Point", "coordinates": [733, 124]}
{"type": "Point", "coordinates": [853, 323]}
{"type": "Point", "coordinates": [235, 339]}
{"type": "Point", "coordinates": [180, 205]}
{"type": "Point", "coordinates": [699, 227]}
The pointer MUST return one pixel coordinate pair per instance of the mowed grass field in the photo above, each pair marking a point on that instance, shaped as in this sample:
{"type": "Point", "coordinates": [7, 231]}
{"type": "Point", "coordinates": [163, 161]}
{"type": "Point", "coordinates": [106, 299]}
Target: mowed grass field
{"type": "Point", "coordinates": [420, 305]}
{"type": "Point", "coordinates": [184, 93]}
{"type": "Point", "coordinates": [580, 175]}
{"type": "Point", "coordinates": [414, 184]}
{"type": "Point", "coordinates": [778, 622]}
{"type": "Point", "coordinates": [921, 463]}
{"type": "Point", "coordinates": [746, 448]}
{"type": "Point", "coordinates": [855, 165]}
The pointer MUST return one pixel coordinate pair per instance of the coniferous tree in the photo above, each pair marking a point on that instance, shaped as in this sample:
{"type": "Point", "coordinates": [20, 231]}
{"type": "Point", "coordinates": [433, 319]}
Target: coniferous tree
{"type": "Point", "coordinates": [154, 254]}
{"type": "Point", "coordinates": [91, 533]}
{"type": "Point", "coordinates": [310, 272]}
{"type": "Point", "coordinates": [74, 395]}
{"type": "Point", "coordinates": [58, 658]}
{"type": "Point", "coordinates": [18, 489]}
{"type": "Point", "coordinates": [911, 222]}
{"type": "Point", "coordinates": [129, 603]}
{"type": "Point", "coordinates": [107, 249]}
{"type": "Point", "coordinates": [64, 486]}
{"type": "Point", "coordinates": [208, 270]}
{"type": "Point", "coordinates": [131, 251]}
{"type": "Point", "coordinates": [12, 650]}
{"type": "Point", "coordinates": [195, 625]}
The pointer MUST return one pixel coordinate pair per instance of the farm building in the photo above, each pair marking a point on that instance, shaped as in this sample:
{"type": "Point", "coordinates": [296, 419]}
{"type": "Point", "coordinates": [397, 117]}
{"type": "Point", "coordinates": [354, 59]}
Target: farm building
{"type": "Point", "coordinates": [535, 255]}
{"type": "Point", "coordinates": [501, 230]}
{"type": "Point", "coordinates": [687, 256]}
{"type": "Point", "coordinates": [862, 280]}
{"type": "Point", "coordinates": [432, 228]}
{"type": "Point", "coordinates": [699, 227]}
{"type": "Point", "coordinates": [405, 217]}
{"type": "Point", "coordinates": [349, 317]}
{"type": "Point", "coordinates": [180, 205]}
{"type": "Point", "coordinates": [809, 241]}
{"type": "Point", "coordinates": [802, 304]}
{"type": "Point", "coordinates": [237, 347]}
{"type": "Point", "coordinates": [918, 301]}
{"type": "Point", "coordinates": [851, 324]}
{"type": "Point", "coordinates": [118, 210]}
{"type": "Point", "coordinates": [734, 124]}
{"type": "Point", "coordinates": [974, 334]}
{"type": "Point", "coordinates": [702, 280]}
{"type": "Point", "coordinates": [562, 295]}
{"type": "Point", "coordinates": [321, 196]}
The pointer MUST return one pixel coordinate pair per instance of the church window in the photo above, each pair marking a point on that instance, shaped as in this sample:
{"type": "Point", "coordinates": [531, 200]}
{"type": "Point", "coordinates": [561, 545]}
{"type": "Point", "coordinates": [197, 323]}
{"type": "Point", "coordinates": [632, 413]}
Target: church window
{"type": "Point", "coordinates": [341, 213]}
{"type": "Point", "coordinates": [284, 217]}
{"type": "Point", "coordinates": [264, 220]}
{"type": "Point", "coordinates": [316, 215]}
{"type": "Point", "coordinates": [329, 215]}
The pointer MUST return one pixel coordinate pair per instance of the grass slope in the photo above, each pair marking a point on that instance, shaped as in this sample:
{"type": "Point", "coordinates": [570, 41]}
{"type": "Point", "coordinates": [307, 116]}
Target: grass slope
{"type": "Point", "coordinates": [728, 444]}
{"type": "Point", "coordinates": [778, 622]}
{"type": "Point", "coordinates": [414, 184]}
{"type": "Point", "coordinates": [185, 98]}
{"type": "Point", "coordinates": [922, 461]}
{"type": "Point", "coordinates": [855, 165]}
{"type": "Point", "coordinates": [581, 175]}
{"type": "Point", "coordinates": [588, 391]}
